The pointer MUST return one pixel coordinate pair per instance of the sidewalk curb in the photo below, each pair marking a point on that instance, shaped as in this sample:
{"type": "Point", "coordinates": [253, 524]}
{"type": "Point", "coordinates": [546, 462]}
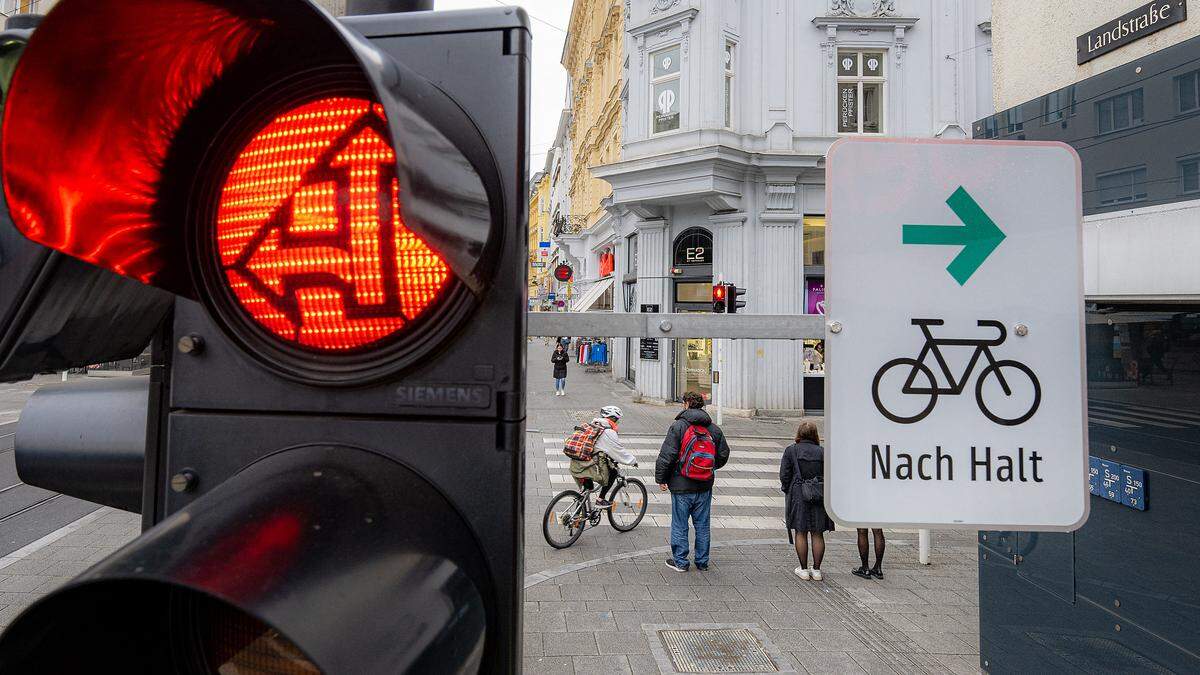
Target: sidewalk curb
{"type": "Point", "coordinates": [24, 552]}
{"type": "Point", "coordinates": [546, 575]}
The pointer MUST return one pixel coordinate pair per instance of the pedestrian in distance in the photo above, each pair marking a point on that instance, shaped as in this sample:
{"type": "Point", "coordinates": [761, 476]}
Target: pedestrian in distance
{"type": "Point", "coordinates": [863, 549]}
{"type": "Point", "coordinates": [692, 452]}
{"type": "Point", "coordinates": [802, 479]}
{"type": "Point", "coordinates": [559, 358]}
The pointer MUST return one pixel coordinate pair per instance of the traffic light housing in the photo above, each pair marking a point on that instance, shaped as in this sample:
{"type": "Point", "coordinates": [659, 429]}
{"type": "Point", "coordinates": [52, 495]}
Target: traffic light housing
{"type": "Point", "coordinates": [335, 214]}
{"type": "Point", "coordinates": [720, 293]}
{"type": "Point", "coordinates": [732, 293]}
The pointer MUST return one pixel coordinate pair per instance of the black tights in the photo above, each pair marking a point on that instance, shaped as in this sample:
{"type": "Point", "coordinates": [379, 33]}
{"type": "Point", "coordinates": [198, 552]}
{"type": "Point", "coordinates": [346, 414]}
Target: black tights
{"type": "Point", "coordinates": [589, 484]}
{"type": "Point", "coordinates": [818, 548]}
{"type": "Point", "coordinates": [863, 547]}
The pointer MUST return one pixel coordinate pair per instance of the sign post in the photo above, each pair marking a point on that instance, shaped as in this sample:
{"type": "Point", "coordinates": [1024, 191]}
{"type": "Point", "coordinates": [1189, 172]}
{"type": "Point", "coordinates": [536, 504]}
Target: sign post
{"type": "Point", "coordinates": [955, 381]}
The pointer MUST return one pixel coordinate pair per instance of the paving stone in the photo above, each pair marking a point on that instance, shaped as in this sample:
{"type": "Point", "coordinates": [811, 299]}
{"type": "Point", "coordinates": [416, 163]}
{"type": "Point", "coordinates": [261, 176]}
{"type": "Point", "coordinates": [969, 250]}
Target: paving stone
{"type": "Point", "coordinates": [820, 663]}
{"type": "Point", "coordinates": [835, 641]}
{"type": "Point", "coordinates": [548, 665]}
{"type": "Point", "coordinates": [602, 665]}
{"type": "Point", "coordinates": [569, 644]}
{"type": "Point", "coordinates": [623, 642]}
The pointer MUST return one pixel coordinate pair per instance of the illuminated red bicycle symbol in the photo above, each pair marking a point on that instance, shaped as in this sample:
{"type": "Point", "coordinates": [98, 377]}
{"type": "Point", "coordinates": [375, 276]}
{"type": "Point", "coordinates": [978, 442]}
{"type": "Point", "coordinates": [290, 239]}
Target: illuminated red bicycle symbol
{"type": "Point", "coordinates": [983, 347]}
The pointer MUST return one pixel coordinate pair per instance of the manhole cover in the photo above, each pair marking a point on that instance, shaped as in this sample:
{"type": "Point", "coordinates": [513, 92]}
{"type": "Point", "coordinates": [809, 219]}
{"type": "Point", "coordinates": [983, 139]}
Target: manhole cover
{"type": "Point", "coordinates": [716, 650]}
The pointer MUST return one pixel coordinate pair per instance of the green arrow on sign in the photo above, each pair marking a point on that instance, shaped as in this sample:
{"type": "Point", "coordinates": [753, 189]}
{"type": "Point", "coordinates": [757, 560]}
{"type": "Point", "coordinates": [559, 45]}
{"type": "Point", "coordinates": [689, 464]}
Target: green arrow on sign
{"type": "Point", "coordinates": [978, 235]}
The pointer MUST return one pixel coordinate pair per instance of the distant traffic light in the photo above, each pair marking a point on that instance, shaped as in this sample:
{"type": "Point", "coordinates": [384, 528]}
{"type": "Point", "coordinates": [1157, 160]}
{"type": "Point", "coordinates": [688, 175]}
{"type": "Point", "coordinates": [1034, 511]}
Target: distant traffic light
{"type": "Point", "coordinates": [334, 453]}
{"type": "Point", "coordinates": [563, 272]}
{"type": "Point", "coordinates": [719, 298]}
{"type": "Point", "coordinates": [732, 292]}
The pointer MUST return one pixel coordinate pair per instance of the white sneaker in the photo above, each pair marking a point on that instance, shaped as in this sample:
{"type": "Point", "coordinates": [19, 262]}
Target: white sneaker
{"type": "Point", "coordinates": [802, 573]}
{"type": "Point", "coordinates": [816, 575]}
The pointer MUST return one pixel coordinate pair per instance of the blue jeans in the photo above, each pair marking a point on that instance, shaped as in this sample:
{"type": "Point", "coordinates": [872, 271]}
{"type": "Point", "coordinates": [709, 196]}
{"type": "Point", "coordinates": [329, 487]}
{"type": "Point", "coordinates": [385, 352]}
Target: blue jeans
{"type": "Point", "coordinates": [698, 506]}
{"type": "Point", "coordinates": [560, 384]}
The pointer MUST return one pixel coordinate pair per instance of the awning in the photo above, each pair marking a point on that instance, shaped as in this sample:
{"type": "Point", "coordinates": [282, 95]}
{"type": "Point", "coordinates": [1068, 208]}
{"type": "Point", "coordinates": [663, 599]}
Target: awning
{"type": "Point", "coordinates": [588, 299]}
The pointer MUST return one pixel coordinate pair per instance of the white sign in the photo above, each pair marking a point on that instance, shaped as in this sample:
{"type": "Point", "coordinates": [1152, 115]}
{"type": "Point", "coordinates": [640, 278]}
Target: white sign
{"type": "Point", "coordinates": [954, 340]}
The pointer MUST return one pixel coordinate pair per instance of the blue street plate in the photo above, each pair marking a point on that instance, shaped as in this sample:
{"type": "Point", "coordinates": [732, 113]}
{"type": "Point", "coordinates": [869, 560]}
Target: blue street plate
{"type": "Point", "coordinates": [1110, 480]}
{"type": "Point", "coordinates": [1094, 475]}
{"type": "Point", "coordinates": [1133, 489]}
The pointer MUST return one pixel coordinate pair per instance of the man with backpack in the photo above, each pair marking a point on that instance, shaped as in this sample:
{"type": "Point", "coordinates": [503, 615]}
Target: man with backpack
{"type": "Point", "coordinates": [590, 448]}
{"type": "Point", "coordinates": [691, 453]}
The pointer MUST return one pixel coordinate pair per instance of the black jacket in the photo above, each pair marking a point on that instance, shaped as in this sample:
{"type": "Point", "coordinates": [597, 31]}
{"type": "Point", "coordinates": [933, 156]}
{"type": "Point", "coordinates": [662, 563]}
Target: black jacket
{"type": "Point", "coordinates": [560, 363]}
{"type": "Point", "coordinates": [666, 469]}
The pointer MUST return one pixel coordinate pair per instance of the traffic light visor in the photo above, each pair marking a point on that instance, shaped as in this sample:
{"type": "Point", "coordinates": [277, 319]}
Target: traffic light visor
{"type": "Point", "coordinates": [107, 132]}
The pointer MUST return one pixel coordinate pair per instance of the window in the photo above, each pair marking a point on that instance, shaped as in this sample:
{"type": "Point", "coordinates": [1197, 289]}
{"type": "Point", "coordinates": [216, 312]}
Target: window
{"type": "Point", "coordinates": [1058, 105]}
{"type": "Point", "coordinates": [11, 7]}
{"type": "Point", "coordinates": [1014, 120]}
{"type": "Point", "coordinates": [664, 90]}
{"type": "Point", "coordinates": [860, 92]}
{"type": "Point", "coordinates": [1189, 175]}
{"type": "Point", "coordinates": [814, 241]}
{"type": "Point", "coordinates": [1118, 187]}
{"type": "Point", "coordinates": [1119, 112]}
{"type": "Point", "coordinates": [631, 253]}
{"type": "Point", "coordinates": [1188, 89]}
{"type": "Point", "coordinates": [728, 85]}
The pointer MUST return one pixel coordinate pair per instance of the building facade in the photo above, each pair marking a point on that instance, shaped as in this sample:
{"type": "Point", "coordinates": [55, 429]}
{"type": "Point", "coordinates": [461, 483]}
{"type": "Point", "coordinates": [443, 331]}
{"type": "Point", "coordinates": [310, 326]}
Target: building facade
{"type": "Point", "coordinates": [1054, 602]}
{"type": "Point", "coordinates": [730, 108]}
{"type": "Point", "coordinates": [539, 233]}
{"type": "Point", "coordinates": [593, 56]}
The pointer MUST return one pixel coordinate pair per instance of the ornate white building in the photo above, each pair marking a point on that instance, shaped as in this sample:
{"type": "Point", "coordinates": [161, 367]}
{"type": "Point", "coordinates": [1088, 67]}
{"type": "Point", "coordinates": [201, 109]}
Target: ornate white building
{"type": "Point", "coordinates": [730, 108]}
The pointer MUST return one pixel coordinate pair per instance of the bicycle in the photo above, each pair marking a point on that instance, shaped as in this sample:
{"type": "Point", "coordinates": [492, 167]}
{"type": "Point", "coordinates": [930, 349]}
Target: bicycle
{"type": "Point", "coordinates": [983, 347]}
{"type": "Point", "coordinates": [575, 511]}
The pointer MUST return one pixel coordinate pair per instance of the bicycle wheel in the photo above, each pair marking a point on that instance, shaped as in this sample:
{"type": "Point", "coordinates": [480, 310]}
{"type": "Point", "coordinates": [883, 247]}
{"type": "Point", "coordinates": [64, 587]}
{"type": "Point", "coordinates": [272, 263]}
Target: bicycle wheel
{"type": "Point", "coordinates": [564, 520]}
{"type": "Point", "coordinates": [628, 505]}
{"type": "Point", "coordinates": [1008, 390]}
{"type": "Point", "coordinates": [907, 416]}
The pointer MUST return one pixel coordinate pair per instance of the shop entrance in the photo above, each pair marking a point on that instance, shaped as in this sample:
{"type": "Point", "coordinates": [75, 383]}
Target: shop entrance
{"type": "Point", "coordinates": [693, 367]}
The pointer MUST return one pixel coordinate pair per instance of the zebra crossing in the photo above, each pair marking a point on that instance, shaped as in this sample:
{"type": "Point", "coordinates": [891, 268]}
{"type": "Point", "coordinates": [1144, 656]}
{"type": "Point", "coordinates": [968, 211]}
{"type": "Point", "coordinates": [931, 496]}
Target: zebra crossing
{"type": "Point", "coordinates": [746, 495]}
{"type": "Point", "coordinates": [1125, 415]}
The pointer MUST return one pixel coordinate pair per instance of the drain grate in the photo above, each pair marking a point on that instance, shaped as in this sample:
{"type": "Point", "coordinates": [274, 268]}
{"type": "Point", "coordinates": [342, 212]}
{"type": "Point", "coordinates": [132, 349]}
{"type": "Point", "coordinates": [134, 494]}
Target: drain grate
{"type": "Point", "coordinates": [716, 650]}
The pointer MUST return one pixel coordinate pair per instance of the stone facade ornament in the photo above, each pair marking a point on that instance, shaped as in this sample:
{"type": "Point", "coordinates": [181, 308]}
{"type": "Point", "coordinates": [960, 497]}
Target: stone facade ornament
{"type": "Point", "coordinates": [842, 8]}
{"type": "Point", "coordinates": [663, 5]}
{"type": "Point", "coordinates": [781, 196]}
{"type": "Point", "coordinates": [883, 7]}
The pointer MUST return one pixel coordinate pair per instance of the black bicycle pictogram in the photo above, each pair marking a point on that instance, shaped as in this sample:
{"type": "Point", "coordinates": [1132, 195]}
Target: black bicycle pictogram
{"type": "Point", "coordinates": [933, 390]}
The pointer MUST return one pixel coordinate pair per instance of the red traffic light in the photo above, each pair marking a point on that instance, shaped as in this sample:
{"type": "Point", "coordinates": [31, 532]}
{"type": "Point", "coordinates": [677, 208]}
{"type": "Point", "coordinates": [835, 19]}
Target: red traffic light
{"type": "Point", "coordinates": [563, 272]}
{"type": "Point", "coordinates": [310, 235]}
{"type": "Point", "coordinates": [718, 292]}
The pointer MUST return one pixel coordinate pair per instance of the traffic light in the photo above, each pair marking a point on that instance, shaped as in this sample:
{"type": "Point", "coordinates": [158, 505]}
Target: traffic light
{"type": "Point", "coordinates": [331, 216]}
{"type": "Point", "coordinates": [719, 292]}
{"type": "Point", "coordinates": [563, 272]}
{"type": "Point", "coordinates": [732, 293]}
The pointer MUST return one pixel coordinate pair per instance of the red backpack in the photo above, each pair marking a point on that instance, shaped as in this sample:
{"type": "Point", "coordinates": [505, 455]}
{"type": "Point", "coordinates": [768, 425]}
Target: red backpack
{"type": "Point", "coordinates": [697, 454]}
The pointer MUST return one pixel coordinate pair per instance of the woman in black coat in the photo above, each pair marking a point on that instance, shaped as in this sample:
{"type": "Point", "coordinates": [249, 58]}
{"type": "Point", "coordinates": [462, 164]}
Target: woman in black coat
{"type": "Point", "coordinates": [559, 358]}
{"type": "Point", "coordinates": [804, 461]}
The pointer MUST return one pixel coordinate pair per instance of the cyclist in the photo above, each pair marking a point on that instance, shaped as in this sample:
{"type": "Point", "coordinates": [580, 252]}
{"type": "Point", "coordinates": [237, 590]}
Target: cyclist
{"type": "Point", "coordinates": [608, 445]}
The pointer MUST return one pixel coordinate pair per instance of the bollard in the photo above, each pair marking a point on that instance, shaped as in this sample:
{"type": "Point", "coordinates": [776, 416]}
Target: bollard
{"type": "Point", "coordinates": [923, 546]}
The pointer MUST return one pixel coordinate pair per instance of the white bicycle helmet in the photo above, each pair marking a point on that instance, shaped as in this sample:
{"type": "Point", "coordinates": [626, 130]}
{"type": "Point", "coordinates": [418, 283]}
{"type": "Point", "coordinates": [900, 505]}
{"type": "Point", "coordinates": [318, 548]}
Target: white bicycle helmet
{"type": "Point", "coordinates": [612, 412]}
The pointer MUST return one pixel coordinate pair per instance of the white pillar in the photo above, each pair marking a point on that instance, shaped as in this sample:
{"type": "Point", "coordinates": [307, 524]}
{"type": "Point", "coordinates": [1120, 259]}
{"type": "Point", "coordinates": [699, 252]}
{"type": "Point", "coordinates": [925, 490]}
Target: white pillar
{"type": "Point", "coordinates": [654, 378]}
{"type": "Point", "coordinates": [923, 545]}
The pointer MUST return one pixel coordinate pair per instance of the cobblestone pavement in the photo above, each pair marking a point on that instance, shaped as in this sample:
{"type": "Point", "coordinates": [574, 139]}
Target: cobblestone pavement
{"type": "Point", "coordinates": [597, 606]}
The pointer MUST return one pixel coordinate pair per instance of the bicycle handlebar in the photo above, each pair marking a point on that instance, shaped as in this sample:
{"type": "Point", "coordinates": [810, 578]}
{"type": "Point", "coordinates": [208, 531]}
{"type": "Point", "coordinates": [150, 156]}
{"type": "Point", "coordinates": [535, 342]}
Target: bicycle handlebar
{"type": "Point", "coordinates": [987, 323]}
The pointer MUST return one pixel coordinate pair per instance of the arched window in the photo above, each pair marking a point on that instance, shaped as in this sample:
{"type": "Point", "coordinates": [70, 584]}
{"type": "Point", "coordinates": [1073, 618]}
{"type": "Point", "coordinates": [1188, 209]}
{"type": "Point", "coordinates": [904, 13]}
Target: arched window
{"type": "Point", "coordinates": [693, 246]}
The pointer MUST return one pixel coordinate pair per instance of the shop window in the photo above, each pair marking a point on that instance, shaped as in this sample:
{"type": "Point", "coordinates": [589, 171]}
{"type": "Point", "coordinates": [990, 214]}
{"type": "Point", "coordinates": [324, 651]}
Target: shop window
{"type": "Point", "coordinates": [1119, 187]}
{"type": "Point", "coordinates": [1189, 175]}
{"type": "Point", "coordinates": [1187, 88]}
{"type": "Point", "coordinates": [693, 247]}
{"type": "Point", "coordinates": [631, 255]}
{"type": "Point", "coordinates": [814, 241]}
{"type": "Point", "coordinates": [814, 357]}
{"type": "Point", "coordinates": [693, 292]}
{"type": "Point", "coordinates": [860, 83]}
{"type": "Point", "coordinates": [664, 90]}
{"type": "Point", "coordinates": [728, 85]}
{"type": "Point", "coordinates": [1058, 105]}
{"type": "Point", "coordinates": [1119, 112]}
